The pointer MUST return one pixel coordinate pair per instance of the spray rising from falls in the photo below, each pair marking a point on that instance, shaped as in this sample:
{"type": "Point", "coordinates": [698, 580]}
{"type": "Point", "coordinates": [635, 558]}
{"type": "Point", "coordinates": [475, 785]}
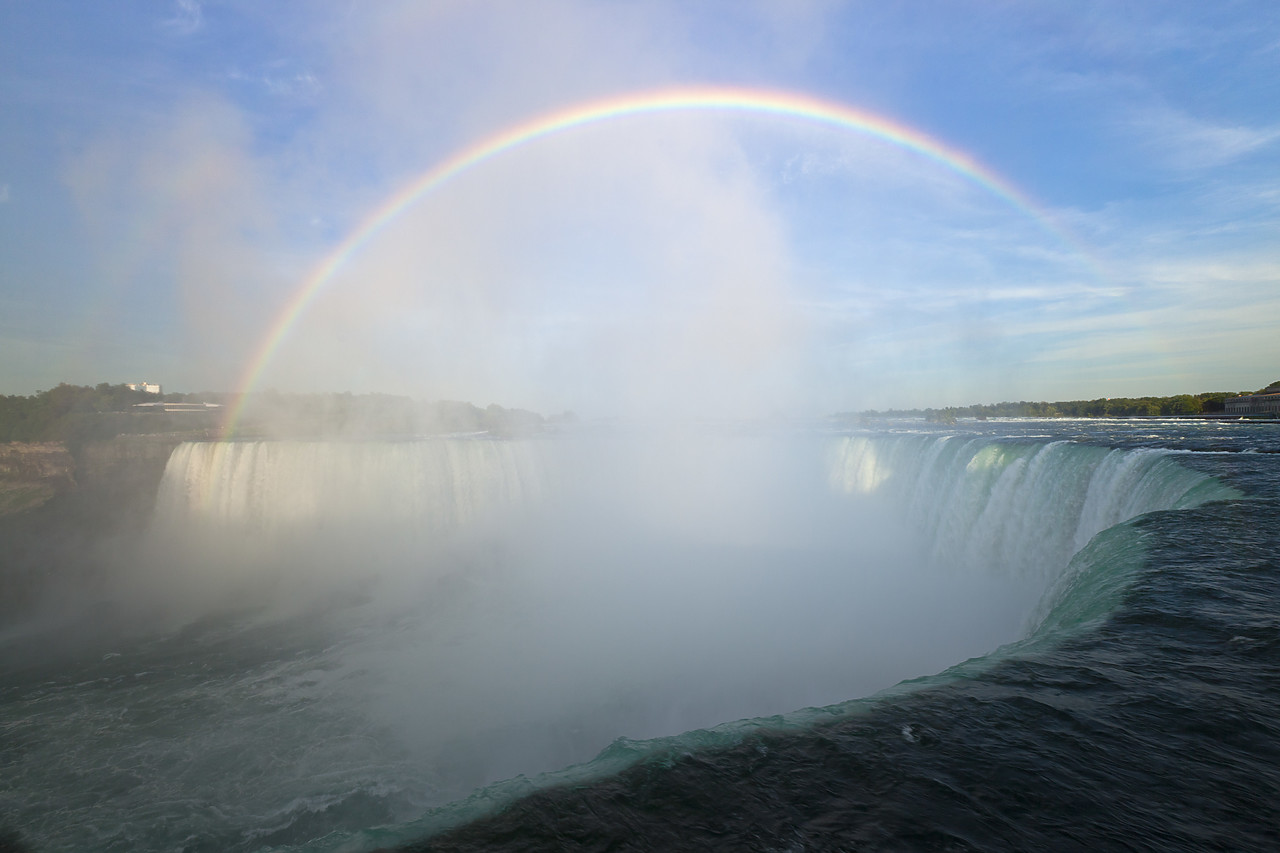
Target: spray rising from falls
{"type": "Point", "coordinates": [361, 632]}
{"type": "Point", "coordinates": [523, 603]}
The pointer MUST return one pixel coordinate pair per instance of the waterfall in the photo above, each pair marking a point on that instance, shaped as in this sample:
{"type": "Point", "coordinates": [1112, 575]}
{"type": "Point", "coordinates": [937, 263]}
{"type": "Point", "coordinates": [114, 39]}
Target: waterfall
{"type": "Point", "coordinates": [266, 486]}
{"type": "Point", "coordinates": [1013, 507]}
{"type": "Point", "coordinates": [519, 604]}
{"type": "Point", "coordinates": [352, 633]}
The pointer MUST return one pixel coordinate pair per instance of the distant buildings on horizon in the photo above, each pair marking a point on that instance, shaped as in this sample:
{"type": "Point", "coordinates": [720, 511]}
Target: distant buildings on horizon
{"type": "Point", "coordinates": [165, 406]}
{"type": "Point", "coordinates": [1254, 404]}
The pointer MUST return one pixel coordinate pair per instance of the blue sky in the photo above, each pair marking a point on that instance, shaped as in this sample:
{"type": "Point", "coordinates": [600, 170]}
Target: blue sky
{"type": "Point", "coordinates": [171, 172]}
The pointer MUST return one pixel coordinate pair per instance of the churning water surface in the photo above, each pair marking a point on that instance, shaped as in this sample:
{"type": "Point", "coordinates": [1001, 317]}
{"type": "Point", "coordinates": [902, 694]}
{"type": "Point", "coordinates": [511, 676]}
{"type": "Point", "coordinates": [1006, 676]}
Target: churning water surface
{"type": "Point", "coordinates": [335, 644]}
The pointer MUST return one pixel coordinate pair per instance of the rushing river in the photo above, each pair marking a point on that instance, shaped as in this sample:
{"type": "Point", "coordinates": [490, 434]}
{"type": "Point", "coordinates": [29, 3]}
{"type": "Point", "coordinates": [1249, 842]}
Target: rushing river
{"type": "Point", "coordinates": [999, 635]}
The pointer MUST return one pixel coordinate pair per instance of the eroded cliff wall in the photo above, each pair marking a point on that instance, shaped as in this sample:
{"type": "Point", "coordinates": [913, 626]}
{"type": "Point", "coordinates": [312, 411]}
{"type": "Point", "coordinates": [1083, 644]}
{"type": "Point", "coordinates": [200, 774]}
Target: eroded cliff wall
{"type": "Point", "coordinates": [64, 513]}
{"type": "Point", "coordinates": [32, 474]}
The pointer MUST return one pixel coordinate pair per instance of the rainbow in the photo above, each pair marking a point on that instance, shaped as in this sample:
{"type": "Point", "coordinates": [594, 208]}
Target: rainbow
{"type": "Point", "coordinates": [683, 99]}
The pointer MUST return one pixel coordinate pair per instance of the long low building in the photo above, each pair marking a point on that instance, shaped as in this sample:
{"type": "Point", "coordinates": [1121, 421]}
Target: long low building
{"type": "Point", "coordinates": [172, 408]}
{"type": "Point", "coordinates": [1254, 404]}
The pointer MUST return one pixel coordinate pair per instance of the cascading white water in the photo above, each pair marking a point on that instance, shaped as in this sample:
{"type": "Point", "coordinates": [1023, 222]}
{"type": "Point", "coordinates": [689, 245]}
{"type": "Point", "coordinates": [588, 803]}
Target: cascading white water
{"type": "Point", "coordinates": [283, 526]}
{"type": "Point", "coordinates": [524, 602]}
{"type": "Point", "coordinates": [304, 487]}
{"type": "Point", "coordinates": [365, 630]}
{"type": "Point", "coordinates": [1015, 508]}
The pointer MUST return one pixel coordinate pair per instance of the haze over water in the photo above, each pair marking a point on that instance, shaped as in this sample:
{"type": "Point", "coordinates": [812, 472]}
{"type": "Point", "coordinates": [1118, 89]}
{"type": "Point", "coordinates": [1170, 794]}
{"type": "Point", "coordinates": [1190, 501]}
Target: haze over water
{"type": "Point", "coordinates": [326, 645]}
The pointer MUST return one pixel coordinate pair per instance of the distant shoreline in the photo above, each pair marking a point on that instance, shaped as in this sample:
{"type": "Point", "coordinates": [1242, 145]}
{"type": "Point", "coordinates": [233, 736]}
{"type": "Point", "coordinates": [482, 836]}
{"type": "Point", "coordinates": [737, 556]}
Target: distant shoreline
{"type": "Point", "coordinates": [1206, 416]}
{"type": "Point", "coordinates": [1206, 405]}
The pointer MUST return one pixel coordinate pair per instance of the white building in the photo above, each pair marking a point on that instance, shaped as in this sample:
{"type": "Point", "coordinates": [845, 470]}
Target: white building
{"type": "Point", "coordinates": [148, 387]}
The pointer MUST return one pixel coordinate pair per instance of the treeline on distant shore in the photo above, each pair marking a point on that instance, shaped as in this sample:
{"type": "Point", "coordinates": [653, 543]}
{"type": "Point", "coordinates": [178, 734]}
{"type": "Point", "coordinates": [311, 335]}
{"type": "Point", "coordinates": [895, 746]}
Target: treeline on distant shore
{"type": "Point", "coordinates": [75, 414]}
{"type": "Point", "coordinates": [272, 414]}
{"type": "Point", "coordinates": [1209, 402]}
{"type": "Point", "coordinates": [70, 413]}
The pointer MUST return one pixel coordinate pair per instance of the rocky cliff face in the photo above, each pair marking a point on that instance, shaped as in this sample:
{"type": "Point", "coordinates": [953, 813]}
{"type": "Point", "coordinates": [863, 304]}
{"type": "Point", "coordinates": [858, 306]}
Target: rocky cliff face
{"type": "Point", "coordinates": [32, 474]}
{"type": "Point", "coordinates": [63, 514]}
{"type": "Point", "coordinates": [124, 471]}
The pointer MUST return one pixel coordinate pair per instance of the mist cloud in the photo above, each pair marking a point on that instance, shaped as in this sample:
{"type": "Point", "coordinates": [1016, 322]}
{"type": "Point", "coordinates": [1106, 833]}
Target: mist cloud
{"type": "Point", "coordinates": [184, 199]}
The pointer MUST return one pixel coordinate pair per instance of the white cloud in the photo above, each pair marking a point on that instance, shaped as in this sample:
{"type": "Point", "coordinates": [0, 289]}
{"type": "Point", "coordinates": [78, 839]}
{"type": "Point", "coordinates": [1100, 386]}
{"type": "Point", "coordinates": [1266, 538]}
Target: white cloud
{"type": "Point", "coordinates": [188, 17]}
{"type": "Point", "coordinates": [292, 85]}
{"type": "Point", "coordinates": [280, 78]}
{"type": "Point", "coordinates": [4, 193]}
{"type": "Point", "coordinates": [1188, 143]}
